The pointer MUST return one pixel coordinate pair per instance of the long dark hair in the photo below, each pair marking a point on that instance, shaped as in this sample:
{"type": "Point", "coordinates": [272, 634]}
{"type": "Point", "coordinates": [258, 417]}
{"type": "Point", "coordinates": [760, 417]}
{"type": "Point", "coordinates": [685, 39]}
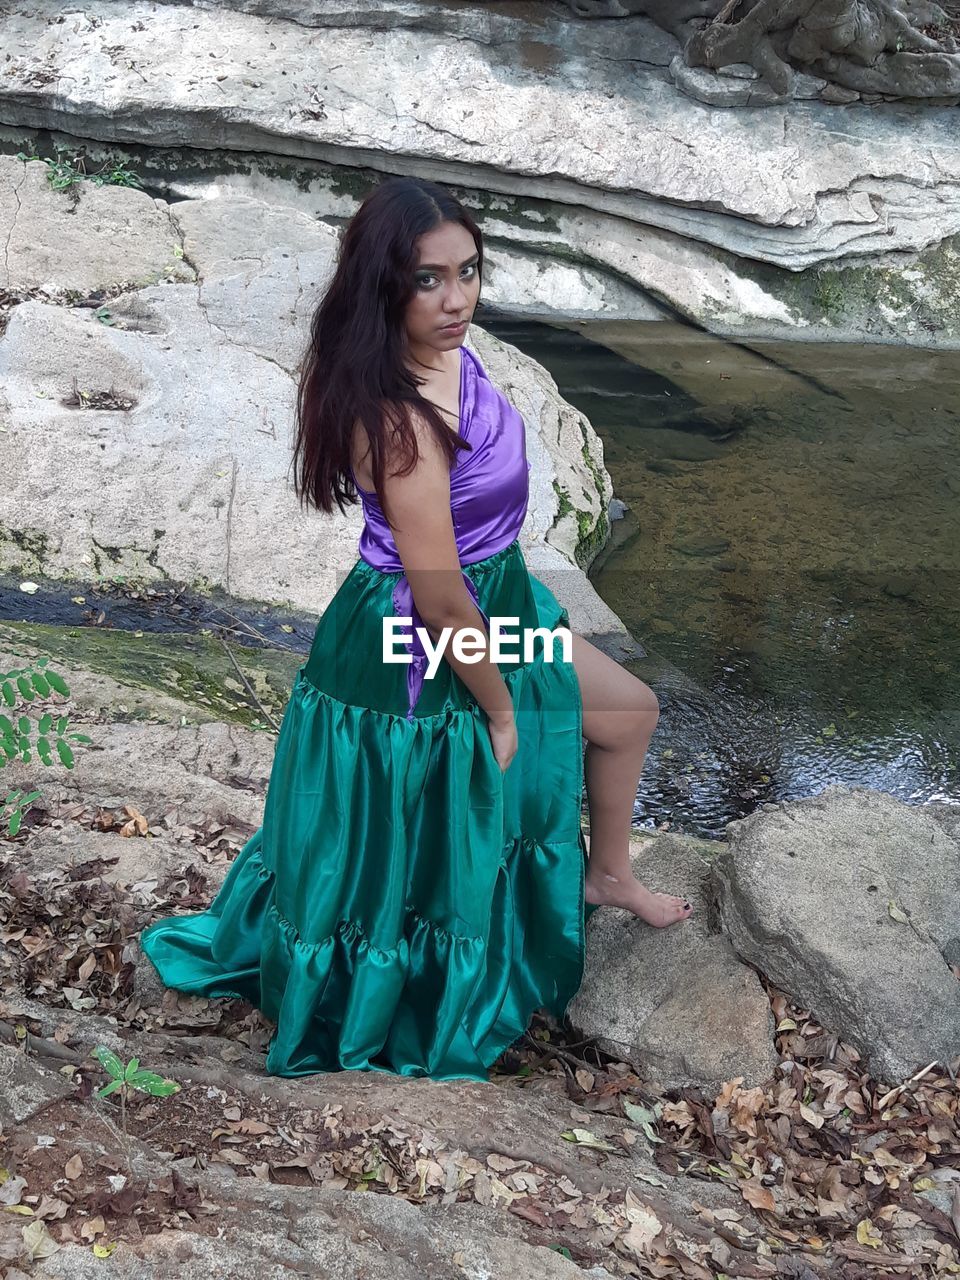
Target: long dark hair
{"type": "Point", "coordinates": [353, 369]}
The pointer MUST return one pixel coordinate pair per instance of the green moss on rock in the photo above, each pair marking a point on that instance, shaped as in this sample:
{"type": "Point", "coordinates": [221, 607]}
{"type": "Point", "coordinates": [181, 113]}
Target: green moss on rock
{"type": "Point", "coordinates": [593, 537]}
{"type": "Point", "coordinates": [563, 499]}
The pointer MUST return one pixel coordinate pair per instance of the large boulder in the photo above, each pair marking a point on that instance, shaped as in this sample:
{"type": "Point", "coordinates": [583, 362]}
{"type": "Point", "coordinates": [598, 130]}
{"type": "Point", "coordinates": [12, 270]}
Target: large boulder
{"type": "Point", "coordinates": [850, 902]}
{"type": "Point", "coordinates": [186, 392]}
{"type": "Point", "coordinates": [677, 1002]}
{"type": "Point", "coordinates": [48, 239]}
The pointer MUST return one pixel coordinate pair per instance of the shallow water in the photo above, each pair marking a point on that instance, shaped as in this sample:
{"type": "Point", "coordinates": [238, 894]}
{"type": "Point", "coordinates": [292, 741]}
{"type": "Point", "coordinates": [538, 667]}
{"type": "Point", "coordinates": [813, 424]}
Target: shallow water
{"type": "Point", "coordinates": [789, 559]}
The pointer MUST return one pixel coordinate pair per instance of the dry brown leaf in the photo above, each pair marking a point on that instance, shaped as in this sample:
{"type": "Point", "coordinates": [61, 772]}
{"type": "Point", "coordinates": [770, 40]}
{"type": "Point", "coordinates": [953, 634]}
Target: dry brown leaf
{"type": "Point", "coordinates": [530, 1211]}
{"type": "Point", "coordinates": [811, 1117]}
{"type": "Point", "coordinates": [746, 1103]}
{"type": "Point", "coordinates": [51, 1207]}
{"type": "Point", "coordinates": [467, 1164]}
{"type": "Point", "coordinates": [727, 1090]}
{"type": "Point", "coordinates": [37, 1239]}
{"type": "Point", "coordinates": [302, 1161]}
{"type": "Point", "coordinates": [74, 1166]}
{"type": "Point", "coordinates": [11, 1190]}
{"type": "Point", "coordinates": [523, 1182]}
{"type": "Point", "coordinates": [678, 1113]}
{"type": "Point", "coordinates": [252, 1126]}
{"type": "Point", "coordinates": [868, 1234]}
{"type": "Point", "coordinates": [831, 1187]}
{"type": "Point", "coordinates": [483, 1189]}
{"type": "Point", "coordinates": [688, 1266]}
{"type": "Point", "coordinates": [644, 1227]}
{"type": "Point", "coordinates": [757, 1195]}
{"type": "Point", "coordinates": [227, 1156]}
{"type": "Point", "coordinates": [92, 1227]}
{"type": "Point", "coordinates": [730, 1216]}
{"type": "Point", "coordinates": [720, 1252]}
{"type": "Point", "coordinates": [502, 1164]}
{"type": "Point", "coordinates": [586, 1138]}
{"type": "Point", "coordinates": [139, 821]}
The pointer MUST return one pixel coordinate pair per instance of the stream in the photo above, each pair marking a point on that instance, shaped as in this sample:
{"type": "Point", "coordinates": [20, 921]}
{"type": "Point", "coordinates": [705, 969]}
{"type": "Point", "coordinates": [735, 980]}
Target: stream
{"type": "Point", "coordinates": [788, 559]}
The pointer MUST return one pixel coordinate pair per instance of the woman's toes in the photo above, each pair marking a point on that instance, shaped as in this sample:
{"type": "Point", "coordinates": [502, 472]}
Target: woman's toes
{"type": "Point", "coordinates": [676, 908]}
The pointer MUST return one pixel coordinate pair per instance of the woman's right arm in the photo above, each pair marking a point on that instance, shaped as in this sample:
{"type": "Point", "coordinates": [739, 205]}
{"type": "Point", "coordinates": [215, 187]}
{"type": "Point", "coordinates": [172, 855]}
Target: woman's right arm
{"type": "Point", "coordinates": [427, 544]}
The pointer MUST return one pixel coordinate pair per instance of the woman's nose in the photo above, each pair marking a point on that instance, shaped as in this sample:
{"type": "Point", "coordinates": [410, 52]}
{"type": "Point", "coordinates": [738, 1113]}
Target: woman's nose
{"type": "Point", "coordinates": [456, 298]}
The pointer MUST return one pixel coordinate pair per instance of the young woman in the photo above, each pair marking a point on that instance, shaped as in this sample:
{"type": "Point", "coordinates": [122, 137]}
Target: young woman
{"type": "Point", "coordinates": [419, 883]}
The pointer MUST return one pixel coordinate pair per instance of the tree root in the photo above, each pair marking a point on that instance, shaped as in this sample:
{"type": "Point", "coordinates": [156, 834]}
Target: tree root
{"type": "Point", "coordinates": [867, 46]}
{"type": "Point", "coordinates": [38, 1045]}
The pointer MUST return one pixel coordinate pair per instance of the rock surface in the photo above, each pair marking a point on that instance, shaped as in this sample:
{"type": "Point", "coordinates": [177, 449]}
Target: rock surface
{"type": "Point", "coordinates": [848, 900]}
{"type": "Point", "coordinates": [676, 1002]}
{"type": "Point", "coordinates": [744, 88]}
{"type": "Point", "coordinates": [707, 213]}
{"type": "Point", "coordinates": [472, 1179]}
{"type": "Point", "coordinates": [201, 377]}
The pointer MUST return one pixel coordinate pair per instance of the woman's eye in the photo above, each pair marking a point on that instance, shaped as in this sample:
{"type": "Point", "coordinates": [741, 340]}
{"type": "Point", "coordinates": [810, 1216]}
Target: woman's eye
{"type": "Point", "coordinates": [423, 281]}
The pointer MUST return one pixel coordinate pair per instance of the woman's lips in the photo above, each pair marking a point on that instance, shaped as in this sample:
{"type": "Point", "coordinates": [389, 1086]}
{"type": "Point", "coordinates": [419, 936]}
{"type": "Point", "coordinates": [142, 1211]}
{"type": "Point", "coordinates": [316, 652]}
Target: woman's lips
{"type": "Point", "coordinates": [454, 328]}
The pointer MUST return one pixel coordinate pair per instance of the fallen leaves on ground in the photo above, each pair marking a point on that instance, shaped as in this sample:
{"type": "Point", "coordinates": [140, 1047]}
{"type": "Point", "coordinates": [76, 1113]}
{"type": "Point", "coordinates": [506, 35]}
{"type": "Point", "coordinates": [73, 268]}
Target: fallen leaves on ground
{"type": "Point", "coordinates": [830, 1169]}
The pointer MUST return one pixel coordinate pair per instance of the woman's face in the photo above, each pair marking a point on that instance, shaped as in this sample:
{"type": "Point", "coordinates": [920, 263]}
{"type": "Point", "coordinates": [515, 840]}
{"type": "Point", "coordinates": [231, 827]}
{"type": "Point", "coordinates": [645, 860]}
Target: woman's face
{"type": "Point", "coordinates": [446, 287]}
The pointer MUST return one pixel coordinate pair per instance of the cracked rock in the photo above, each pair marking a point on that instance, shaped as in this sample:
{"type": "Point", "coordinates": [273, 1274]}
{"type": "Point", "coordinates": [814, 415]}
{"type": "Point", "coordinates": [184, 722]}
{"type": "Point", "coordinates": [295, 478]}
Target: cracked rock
{"type": "Point", "coordinates": [848, 901]}
{"type": "Point", "coordinates": [677, 1002]}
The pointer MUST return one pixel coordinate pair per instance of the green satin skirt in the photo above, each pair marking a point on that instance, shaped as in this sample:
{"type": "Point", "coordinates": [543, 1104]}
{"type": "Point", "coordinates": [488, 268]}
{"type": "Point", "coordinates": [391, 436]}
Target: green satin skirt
{"type": "Point", "coordinates": [405, 905]}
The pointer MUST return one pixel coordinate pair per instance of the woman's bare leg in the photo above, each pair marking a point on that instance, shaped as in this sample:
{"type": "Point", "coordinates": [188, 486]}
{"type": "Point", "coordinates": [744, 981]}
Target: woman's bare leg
{"type": "Point", "coordinates": [620, 714]}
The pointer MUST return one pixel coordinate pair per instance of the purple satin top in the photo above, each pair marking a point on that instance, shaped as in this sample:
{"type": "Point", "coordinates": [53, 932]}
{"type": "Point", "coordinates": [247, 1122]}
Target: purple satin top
{"type": "Point", "coordinates": [489, 491]}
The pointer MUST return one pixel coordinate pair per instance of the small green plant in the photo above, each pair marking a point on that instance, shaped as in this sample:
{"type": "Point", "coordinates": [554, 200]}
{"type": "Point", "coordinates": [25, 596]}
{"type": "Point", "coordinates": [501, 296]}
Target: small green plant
{"type": "Point", "coordinates": [69, 169]}
{"type": "Point", "coordinates": [17, 740]}
{"type": "Point", "coordinates": [116, 175]}
{"type": "Point", "coordinates": [127, 1077]}
{"type": "Point", "coordinates": [18, 804]}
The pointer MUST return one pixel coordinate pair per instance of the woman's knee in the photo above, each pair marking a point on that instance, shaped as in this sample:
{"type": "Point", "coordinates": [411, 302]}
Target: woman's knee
{"type": "Point", "coordinates": [644, 708]}
{"type": "Point", "coordinates": [631, 719]}
{"type": "Point", "coordinates": [618, 708]}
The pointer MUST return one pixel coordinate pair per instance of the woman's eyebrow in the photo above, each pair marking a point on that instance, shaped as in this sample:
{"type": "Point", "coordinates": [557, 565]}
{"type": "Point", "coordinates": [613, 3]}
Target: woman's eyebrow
{"type": "Point", "coordinates": [437, 267]}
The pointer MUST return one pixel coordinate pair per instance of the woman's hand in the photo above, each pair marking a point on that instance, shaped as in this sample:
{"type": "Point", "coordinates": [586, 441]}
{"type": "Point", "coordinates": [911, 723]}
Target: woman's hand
{"type": "Point", "coordinates": [503, 737]}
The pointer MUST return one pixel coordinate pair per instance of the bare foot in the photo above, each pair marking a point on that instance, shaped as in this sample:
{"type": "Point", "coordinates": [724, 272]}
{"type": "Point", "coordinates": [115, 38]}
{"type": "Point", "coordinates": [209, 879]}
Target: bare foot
{"type": "Point", "coordinates": [658, 909]}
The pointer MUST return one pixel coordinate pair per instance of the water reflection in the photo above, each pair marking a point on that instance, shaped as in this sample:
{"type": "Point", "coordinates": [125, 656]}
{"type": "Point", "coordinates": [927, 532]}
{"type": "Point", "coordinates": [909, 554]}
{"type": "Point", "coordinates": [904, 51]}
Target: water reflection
{"type": "Point", "coordinates": [789, 559]}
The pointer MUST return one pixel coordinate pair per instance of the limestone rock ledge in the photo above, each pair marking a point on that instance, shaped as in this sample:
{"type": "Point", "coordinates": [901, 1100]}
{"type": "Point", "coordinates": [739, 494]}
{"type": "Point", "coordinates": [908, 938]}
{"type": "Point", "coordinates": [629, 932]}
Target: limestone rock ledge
{"type": "Point", "coordinates": [571, 139]}
{"type": "Point", "coordinates": [158, 425]}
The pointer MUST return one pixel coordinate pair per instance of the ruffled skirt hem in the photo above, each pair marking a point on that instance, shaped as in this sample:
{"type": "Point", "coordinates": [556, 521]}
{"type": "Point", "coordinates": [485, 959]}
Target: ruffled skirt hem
{"type": "Point", "coordinates": [406, 905]}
